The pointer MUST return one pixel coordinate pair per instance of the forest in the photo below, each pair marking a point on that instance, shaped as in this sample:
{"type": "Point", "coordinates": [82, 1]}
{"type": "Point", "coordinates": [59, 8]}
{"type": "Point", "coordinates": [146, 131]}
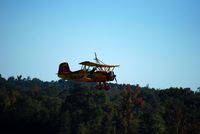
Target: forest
{"type": "Point", "coordinates": [30, 105]}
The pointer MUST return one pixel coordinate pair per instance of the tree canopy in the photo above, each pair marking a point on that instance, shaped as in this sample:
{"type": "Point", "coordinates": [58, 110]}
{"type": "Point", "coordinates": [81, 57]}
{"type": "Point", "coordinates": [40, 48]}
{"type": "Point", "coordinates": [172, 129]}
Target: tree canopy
{"type": "Point", "coordinates": [34, 106]}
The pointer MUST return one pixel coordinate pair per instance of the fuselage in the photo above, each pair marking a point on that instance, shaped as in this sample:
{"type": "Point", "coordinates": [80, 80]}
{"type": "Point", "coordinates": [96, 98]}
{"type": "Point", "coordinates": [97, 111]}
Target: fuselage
{"type": "Point", "coordinates": [84, 75]}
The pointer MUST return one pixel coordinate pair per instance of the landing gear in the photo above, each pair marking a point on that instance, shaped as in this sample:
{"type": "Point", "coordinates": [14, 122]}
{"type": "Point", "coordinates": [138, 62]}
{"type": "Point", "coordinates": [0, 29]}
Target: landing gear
{"type": "Point", "coordinates": [102, 86]}
{"type": "Point", "coordinates": [99, 86]}
{"type": "Point", "coordinates": [107, 87]}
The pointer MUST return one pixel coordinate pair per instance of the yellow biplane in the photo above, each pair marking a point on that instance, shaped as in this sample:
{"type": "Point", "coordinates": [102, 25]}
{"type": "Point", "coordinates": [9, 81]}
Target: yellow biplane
{"type": "Point", "coordinates": [89, 72]}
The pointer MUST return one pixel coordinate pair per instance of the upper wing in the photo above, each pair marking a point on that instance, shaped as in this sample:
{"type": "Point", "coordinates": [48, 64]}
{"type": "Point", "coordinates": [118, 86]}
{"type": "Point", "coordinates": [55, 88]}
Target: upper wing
{"type": "Point", "coordinates": [92, 64]}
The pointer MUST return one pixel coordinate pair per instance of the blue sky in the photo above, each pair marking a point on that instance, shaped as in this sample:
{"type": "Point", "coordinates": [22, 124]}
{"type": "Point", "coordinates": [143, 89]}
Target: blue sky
{"type": "Point", "coordinates": [155, 42]}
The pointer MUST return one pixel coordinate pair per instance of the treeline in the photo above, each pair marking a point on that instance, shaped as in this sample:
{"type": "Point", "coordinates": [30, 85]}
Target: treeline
{"type": "Point", "coordinates": [65, 107]}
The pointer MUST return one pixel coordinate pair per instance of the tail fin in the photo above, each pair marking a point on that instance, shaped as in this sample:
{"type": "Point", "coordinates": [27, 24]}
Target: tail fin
{"type": "Point", "coordinates": [63, 68]}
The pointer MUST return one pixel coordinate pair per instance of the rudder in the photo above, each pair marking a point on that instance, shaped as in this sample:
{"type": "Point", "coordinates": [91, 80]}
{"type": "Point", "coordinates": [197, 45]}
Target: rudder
{"type": "Point", "coordinates": [63, 68]}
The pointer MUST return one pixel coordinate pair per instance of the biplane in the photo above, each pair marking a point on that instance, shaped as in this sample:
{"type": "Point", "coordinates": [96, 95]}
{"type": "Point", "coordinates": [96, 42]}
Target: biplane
{"type": "Point", "coordinates": [89, 72]}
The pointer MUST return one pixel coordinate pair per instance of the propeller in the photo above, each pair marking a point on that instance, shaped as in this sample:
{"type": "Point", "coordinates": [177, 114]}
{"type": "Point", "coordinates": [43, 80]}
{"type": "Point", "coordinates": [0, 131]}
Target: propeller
{"type": "Point", "coordinates": [115, 79]}
{"type": "Point", "coordinates": [114, 76]}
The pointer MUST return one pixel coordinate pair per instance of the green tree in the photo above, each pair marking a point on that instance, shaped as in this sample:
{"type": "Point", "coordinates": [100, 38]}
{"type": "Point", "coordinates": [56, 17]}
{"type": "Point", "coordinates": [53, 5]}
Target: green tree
{"type": "Point", "coordinates": [128, 110]}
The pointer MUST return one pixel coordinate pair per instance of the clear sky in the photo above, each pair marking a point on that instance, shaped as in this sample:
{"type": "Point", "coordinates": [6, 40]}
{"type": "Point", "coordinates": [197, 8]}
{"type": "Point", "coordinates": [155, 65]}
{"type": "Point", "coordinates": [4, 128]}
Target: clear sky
{"type": "Point", "coordinates": [155, 42]}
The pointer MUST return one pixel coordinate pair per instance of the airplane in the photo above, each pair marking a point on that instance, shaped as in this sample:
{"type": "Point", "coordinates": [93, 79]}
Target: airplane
{"type": "Point", "coordinates": [100, 73]}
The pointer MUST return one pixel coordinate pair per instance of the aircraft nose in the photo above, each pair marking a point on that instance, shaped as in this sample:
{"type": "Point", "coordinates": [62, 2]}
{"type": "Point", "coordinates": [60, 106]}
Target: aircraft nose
{"type": "Point", "coordinates": [112, 75]}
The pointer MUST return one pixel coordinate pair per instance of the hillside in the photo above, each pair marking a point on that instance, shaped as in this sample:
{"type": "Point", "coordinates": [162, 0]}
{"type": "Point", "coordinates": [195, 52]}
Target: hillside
{"type": "Point", "coordinates": [34, 106]}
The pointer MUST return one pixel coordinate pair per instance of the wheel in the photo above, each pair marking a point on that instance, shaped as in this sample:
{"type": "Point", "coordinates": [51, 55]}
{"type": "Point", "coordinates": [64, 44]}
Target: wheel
{"type": "Point", "coordinates": [106, 87]}
{"type": "Point", "coordinates": [98, 87]}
